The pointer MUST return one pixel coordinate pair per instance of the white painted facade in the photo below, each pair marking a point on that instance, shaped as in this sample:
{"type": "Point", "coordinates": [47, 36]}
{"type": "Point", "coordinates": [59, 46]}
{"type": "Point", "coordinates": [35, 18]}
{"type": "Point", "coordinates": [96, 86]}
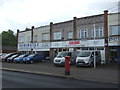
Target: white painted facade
{"type": "Point", "coordinates": [39, 33]}
{"type": "Point", "coordinates": [24, 37]}
{"type": "Point", "coordinates": [113, 20]}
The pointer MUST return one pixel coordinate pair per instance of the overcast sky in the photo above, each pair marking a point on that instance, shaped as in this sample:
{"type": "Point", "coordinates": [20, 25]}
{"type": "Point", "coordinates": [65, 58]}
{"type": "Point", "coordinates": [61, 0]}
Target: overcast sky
{"type": "Point", "coordinates": [19, 14]}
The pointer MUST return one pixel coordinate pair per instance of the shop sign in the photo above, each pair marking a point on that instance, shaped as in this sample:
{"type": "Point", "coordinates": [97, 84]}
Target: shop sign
{"type": "Point", "coordinates": [56, 44]}
{"type": "Point", "coordinates": [45, 45]}
{"type": "Point", "coordinates": [97, 42]}
{"type": "Point", "coordinates": [114, 39]}
{"type": "Point", "coordinates": [33, 45]}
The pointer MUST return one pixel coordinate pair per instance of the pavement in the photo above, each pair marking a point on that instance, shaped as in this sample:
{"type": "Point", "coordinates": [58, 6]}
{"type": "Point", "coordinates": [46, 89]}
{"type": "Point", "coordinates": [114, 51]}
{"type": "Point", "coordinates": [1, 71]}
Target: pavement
{"type": "Point", "coordinates": [107, 73]}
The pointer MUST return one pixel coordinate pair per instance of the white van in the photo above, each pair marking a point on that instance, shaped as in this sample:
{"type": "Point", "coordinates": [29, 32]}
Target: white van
{"type": "Point", "coordinates": [59, 60]}
{"type": "Point", "coordinates": [86, 58]}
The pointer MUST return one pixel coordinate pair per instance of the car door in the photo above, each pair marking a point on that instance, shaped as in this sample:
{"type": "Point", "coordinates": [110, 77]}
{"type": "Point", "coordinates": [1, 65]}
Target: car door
{"type": "Point", "coordinates": [36, 57]}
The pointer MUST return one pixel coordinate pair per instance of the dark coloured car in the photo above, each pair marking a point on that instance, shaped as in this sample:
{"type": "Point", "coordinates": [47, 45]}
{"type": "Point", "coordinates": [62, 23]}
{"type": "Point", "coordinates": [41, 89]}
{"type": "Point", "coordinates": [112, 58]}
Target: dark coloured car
{"type": "Point", "coordinates": [20, 58]}
{"type": "Point", "coordinates": [4, 58]}
{"type": "Point", "coordinates": [34, 58]}
{"type": "Point", "coordinates": [10, 59]}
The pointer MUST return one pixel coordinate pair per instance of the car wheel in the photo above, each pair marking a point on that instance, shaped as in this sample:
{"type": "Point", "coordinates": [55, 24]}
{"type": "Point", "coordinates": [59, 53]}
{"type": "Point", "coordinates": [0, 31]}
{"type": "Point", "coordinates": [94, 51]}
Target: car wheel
{"type": "Point", "coordinates": [42, 60]}
{"type": "Point", "coordinates": [31, 61]}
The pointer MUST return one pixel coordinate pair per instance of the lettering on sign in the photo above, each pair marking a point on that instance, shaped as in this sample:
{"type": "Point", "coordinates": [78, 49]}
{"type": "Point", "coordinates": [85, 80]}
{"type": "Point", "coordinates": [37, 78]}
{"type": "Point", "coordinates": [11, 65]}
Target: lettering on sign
{"type": "Point", "coordinates": [114, 39]}
{"type": "Point", "coordinates": [45, 45]}
{"type": "Point", "coordinates": [74, 42]}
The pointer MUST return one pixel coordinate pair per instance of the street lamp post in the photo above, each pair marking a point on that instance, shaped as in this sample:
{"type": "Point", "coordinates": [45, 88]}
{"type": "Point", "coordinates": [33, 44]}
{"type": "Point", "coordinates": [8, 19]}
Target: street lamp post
{"type": "Point", "coordinates": [94, 46]}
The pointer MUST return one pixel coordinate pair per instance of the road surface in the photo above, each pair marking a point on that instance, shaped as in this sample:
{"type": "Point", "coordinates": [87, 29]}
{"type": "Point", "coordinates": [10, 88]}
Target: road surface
{"type": "Point", "coordinates": [25, 80]}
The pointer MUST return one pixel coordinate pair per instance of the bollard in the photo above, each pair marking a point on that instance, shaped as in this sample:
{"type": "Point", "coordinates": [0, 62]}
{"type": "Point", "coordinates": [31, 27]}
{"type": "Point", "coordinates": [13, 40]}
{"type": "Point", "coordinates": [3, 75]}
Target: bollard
{"type": "Point", "coordinates": [67, 65]}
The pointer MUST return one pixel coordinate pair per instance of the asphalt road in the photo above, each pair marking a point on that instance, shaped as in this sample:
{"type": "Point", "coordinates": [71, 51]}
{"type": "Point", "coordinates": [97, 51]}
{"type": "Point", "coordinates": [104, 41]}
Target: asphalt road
{"type": "Point", "coordinates": [25, 80]}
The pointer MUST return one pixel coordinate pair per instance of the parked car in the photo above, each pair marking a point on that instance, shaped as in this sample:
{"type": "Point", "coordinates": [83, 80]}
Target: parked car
{"type": "Point", "coordinates": [59, 60]}
{"type": "Point", "coordinates": [20, 58]}
{"type": "Point", "coordinates": [4, 57]}
{"type": "Point", "coordinates": [86, 58]}
{"type": "Point", "coordinates": [10, 59]}
{"type": "Point", "coordinates": [34, 58]}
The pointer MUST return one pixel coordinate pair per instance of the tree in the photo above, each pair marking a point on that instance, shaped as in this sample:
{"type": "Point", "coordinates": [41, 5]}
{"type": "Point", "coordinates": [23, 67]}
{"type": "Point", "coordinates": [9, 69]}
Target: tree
{"type": "Point", "coordinates": [8, 38]}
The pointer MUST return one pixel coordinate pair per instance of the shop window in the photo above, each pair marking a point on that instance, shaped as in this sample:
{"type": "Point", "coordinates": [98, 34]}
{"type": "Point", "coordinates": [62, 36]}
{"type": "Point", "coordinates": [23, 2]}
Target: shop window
{"type": "Point", "coordinates": [85, 48]}
{"type": "Point", "coordinates": [100, 48]}
{"type": "Point", "coordinates": [92, 48]}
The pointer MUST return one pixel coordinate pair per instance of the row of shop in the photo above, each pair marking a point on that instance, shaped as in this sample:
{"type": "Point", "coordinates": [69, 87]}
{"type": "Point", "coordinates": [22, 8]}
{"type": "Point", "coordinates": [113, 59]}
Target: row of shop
{"type": "Point", "coordinates": [74, 35]}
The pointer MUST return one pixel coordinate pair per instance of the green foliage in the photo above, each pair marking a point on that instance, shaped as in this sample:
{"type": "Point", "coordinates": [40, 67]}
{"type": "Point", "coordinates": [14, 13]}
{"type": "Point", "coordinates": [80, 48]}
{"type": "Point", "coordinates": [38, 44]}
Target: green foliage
{"type": "Point", "coordinates": [8, 38]}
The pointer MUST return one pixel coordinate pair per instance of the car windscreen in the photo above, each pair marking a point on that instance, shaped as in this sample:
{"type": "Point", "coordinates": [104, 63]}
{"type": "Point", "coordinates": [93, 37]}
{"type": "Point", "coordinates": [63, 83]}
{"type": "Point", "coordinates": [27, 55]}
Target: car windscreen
{"type": "Point", "coordinates": [22, 55]}
{"type": "Point", "coordinates": [31, 55]}
{"type": "Point", "coordinates": [62, 54]}
{"type": "Point", "coordinates": [14, 55]}
{"type": "Point", "coordinates": [83, 54]}
{"type": "Point", "coordinates": [7, 55]}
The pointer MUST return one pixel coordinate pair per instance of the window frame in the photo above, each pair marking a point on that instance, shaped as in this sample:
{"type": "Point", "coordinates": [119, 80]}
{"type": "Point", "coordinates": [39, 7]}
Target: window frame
{"type": "Point", "coordinates": [57, 35]}
{"type": "Point", "coordinates": [71, 35]}
{"type": "Point", "coordinates": [45, 39]}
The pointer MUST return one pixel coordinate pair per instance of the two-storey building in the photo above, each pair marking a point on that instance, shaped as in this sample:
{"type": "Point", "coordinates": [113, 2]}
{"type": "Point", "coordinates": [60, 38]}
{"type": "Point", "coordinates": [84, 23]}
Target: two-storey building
{"type": "Point", "coordinates": [99, 32]}
{"type": "Point", "coordinates": [114, 36]}
{"type": "Point", "coordinates": [84, 33]}
{"type": "Point", "coordinates": [34, 40]}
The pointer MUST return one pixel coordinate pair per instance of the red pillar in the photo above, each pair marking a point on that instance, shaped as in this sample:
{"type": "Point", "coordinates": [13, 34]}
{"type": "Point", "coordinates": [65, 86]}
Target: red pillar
{"type": "Point", "coordinates": [67, 65]}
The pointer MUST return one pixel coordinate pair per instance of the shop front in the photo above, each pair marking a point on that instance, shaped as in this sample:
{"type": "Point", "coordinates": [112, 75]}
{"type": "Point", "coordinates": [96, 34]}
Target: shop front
{"type": "Point", "coordinates": [34, 47]}
{"type": "Point", "coordinates": [76, 45]}
{"type": "Point", "coordinates": [114, 49]}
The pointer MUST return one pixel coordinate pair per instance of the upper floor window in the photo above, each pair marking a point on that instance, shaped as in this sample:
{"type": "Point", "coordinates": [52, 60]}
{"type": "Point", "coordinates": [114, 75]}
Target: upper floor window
{"type": "Point", "coordinates": [28, 39]}
{"type": "Point", "coordinates": [21, 39]}
{"type": "Point", "coordinates": [115, 30]}
{"type": "Point", "coordinates": [57, 35]}
{"type": "Point", "coordinates": [35, 37]}
{"type": "Point", "coordinates": [45, 36]}
{"type": "Point", "coordinates": [98, 32]}
{"type": "Point", "coordinates": [101, 32]}
{"type": "Point", "coordinates": [70, 35]}
{"type": "Point", "coordinates": [83, 33]}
